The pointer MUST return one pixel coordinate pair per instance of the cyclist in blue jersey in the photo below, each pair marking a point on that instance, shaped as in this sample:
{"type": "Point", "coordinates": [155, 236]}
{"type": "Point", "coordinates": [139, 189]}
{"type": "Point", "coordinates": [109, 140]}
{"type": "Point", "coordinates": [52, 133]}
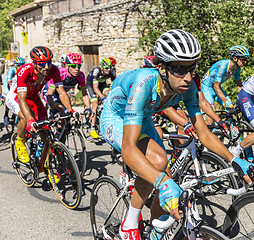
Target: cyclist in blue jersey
{"type": "Point", "coordinates": [7, 84]}
{"type": "Point", "coordinates": [220, 72]}
{"type": "Point", "coordinates": [126, 125]}
{"type": "Point", "coordinates": [245, 102]}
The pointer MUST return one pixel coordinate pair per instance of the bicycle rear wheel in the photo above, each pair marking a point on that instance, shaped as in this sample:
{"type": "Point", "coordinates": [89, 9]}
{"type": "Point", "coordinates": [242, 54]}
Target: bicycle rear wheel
{"type": "Point", "coordinates": [75, 143]}
{"type": "Point", "coordinates": [24, 171]}
{"type": "Point", "coordinates": [239, 220]}
{"type": "Point", "coordinates": [212, 200]}
{"type": "Point", "coordinates": [65, 176]}
{"type": "Point", "coordinates": [108, 208]}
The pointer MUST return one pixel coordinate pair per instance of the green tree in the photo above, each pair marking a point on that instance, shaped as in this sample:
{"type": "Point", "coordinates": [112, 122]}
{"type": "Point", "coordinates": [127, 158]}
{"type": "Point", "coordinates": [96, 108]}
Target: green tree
{"type": "Point", "coordinates": [217, 24]}
{"type": "Point", "coordinates": [6, 24]}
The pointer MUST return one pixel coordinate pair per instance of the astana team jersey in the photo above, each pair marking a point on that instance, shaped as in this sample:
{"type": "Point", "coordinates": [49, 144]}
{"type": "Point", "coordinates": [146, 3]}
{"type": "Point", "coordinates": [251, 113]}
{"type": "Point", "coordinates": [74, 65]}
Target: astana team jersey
{"type": "Point", "coordinates": [219, 72]}
{"type": "Point", "coordinates": [134, 97]}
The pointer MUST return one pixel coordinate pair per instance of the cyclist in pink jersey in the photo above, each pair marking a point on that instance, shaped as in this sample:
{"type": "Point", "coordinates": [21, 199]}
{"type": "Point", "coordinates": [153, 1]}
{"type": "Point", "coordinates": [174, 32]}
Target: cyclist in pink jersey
{"type": "Point", "coordinates": [30, 80]}
{"type": "Point", "coordinates": [70, 76]}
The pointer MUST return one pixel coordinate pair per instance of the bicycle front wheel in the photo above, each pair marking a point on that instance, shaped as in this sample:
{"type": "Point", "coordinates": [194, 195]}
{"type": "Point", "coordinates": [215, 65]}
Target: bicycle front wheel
{"type": "Point", "coordinates": [24, 171]}
{"type": "Point", "coordinates": [75, 143]}
{"type": "Point", "coordinates": [108, 208]}
{"type": "Point", "coordinates": [203, 233]}
{"type": "Point", "coordinates": [239, 220]}
{"type": "Point", "coordinates": [206, 232]}
{"type": "Point", "coordinates": [86, 129]}
{"type": "Point", "coordinates": [64, 175]}
{"type": "Point", "coordinates": [212, 201]}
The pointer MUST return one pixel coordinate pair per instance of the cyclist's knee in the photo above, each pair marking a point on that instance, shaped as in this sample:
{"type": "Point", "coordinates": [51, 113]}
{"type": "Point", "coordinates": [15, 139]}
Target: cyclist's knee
{"type": "Point", "coordinates": [160, 162]}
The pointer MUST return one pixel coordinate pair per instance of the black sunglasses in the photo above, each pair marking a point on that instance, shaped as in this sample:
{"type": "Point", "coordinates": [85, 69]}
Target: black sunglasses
{"type": "Point", "coordinates": [180, 70]}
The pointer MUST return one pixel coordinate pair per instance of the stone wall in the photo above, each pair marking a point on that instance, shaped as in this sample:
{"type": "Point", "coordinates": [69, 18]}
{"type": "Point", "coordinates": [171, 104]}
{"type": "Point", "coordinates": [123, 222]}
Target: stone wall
{"type": "Point", "coordinates": [113, 27]}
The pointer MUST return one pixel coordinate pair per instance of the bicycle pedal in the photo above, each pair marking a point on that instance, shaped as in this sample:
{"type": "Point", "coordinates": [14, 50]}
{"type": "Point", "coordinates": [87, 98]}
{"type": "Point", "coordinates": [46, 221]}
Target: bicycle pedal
{"type": "Point", "coordinates": [46, 185]}
{"type": "Point", "coordinates": [210, 180]}
{"type": "Point", "coordinates": [15, 165]}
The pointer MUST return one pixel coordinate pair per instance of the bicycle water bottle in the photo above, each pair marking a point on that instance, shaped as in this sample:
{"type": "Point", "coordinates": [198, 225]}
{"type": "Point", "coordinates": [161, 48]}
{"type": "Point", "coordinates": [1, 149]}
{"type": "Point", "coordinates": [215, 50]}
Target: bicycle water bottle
{"type": "Point", "coordinates": [249, 153]}
{"type": "Point", "coordinates": [39, 149]}
{"type": "Point", "coordinates": [156, 233]}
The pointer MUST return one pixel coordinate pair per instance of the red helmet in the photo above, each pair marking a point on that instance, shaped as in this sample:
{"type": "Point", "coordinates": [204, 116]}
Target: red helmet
{"type": "Point", "coordinates": [148, 62]}
{"type": "Point", "coordinates": [41, 54]}
{"type": "Point", "coordinates": [73, 58]}
{"type": "Point", "coordinates": [113, 61]}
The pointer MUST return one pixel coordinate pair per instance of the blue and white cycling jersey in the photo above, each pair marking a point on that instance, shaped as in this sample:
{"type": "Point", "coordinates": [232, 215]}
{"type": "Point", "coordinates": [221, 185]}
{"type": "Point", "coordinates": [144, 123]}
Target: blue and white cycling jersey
{"type": "Point", "coordinates": [248, 85]}
{"type": "Point", "coordinates": [219, 72]}
{"type": "Point", "coordinates": [9, 76]}
{"type": "Point", "coordinates": [134, 97]}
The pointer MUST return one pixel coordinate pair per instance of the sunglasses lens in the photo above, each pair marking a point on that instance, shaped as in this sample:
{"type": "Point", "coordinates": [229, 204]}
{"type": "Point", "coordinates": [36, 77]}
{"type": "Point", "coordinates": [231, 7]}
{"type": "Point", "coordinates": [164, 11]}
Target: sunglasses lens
{"type": "Point", "coordinates": [75, 65]}
{"type": "Point", "coordinates": [43, 64]}
{"type": "Point", "coordinates": [182, 70]}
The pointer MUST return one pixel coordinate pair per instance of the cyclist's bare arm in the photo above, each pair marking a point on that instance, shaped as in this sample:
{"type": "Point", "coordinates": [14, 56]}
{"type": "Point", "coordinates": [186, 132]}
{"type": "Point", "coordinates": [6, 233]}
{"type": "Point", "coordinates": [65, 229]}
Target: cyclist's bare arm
{"type": "Point", "coordinates": [64, 98]}
{"type": "Point", "coordinates": [174, 116]}
{"type": "Point", "coordinates": [86, 99]}
{"type": "Point", "coordinates": [97, 90]}
{"type": "Point", "coordinates": [217, 89]}
{"type": "Point", "coordinates": [239, 85]}
{"type": "Point", "coordinates": [209, 139]}
{"type": "Point", "coordinates": [24, 106]}
{"type": "Point", "coordinates": [133, 157]}
{"type": "Point", "coordinates": [50, 100]}
{"type": "Point", "coordinates": [207, 108]}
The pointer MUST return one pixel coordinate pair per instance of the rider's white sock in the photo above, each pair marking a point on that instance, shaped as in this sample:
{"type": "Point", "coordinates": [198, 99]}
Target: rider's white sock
{"type": "Point", "coordinates": [237, 150]}
{"type": "Point", "coordinates": [132, 218]}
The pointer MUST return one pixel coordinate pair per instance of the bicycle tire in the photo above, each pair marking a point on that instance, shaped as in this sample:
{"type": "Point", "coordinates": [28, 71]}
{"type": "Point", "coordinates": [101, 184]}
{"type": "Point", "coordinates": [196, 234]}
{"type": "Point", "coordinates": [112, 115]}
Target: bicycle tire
{"type": "Point", "coordinates": [62, 164]}
{"type": "Point", "coordinates": [238, 223]}
{"type": "Point", "coordinates": [23, 170]}
{"type": "Point", "coordinates": [86, 129]}
{"type": "Point", "coordinates": [203, 233]}
{"type": "Point", "coordinates": [102, 214]}
{"type": "Point", "coordinates": [212, 200]}
{"type": "Point", "coordinates": [116, 156]}
{"type": "Point", "coordinates": [76, 144]}
{"type": "Point", "coordinates": [10, 127]}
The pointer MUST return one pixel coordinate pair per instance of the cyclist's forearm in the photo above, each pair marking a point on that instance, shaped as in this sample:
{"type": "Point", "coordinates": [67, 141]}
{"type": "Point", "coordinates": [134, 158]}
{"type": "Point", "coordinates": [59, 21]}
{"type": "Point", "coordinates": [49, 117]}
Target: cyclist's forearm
{"type": "Point", "coordinates": [86, 101]}
{"type": "Point", "coordinates": [220, 93]}
{"type": "Point", "coordinates": [98, 92]}
{"type": "Point", "coordinates": [65, 100]}
{"type": "Point", "coordinates": [175, 117]}
{"type": "Point", "coordinates": [209, 139]}
{"type": "Point", "coordinates": [207, 108]}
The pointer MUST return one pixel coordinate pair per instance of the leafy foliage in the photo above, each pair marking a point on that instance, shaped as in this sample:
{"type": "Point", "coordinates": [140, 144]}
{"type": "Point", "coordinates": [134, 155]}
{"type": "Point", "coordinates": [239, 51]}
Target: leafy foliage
{"type": "Point", "coordinates": [6, 24]}
{"type": "Point", "coordinates": [217, 24]}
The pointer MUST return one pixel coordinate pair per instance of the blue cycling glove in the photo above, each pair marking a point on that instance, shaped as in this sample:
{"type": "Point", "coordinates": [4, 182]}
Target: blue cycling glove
{"type": "Point", "coordinates": [229, 104]}
{"type": "Point", "coordinates": [169, 193]}
{"type": "Point", "coordinates": [243, 167]}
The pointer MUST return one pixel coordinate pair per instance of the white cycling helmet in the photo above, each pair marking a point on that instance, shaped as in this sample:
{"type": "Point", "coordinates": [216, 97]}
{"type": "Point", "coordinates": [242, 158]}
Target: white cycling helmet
{"type": "Point", "coordinates": [62, 58]}
{"type": "Point", "coordinates": [177, 45]}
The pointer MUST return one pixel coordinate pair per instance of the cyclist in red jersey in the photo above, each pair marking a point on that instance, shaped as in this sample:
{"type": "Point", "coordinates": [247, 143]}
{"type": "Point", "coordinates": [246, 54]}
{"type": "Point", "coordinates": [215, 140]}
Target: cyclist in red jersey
{"type": "Point", "coordinates": [31, 78]}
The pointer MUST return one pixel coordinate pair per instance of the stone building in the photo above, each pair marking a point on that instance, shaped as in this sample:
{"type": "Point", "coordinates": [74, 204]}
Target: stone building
{"type": "Point", "coordinates": [93, 28]}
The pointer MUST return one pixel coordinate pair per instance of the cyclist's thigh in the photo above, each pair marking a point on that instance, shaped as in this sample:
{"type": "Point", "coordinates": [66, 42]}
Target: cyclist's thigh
{"type": "Point", "coordinates": [90, 92]}
{"type": "Point", "coordinates": [12, 102]}
{"type": "Point", "coordinates": [111, 128]}
{"type": "Point", "coordinates": [245, 104]}
{"type": "Point", "coordinates": [40, 112]}
{"type": "Point", "coordinates": [151, 144]}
